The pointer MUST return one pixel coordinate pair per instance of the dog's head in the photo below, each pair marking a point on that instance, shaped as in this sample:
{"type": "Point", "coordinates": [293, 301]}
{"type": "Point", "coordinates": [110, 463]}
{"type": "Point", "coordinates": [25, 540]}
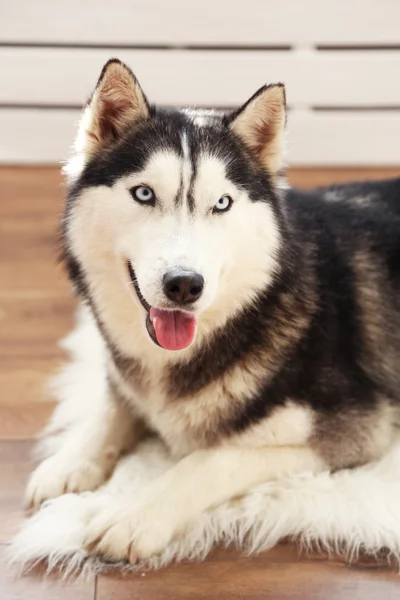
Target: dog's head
{"type": "Point", "coordinates": [173, 217]}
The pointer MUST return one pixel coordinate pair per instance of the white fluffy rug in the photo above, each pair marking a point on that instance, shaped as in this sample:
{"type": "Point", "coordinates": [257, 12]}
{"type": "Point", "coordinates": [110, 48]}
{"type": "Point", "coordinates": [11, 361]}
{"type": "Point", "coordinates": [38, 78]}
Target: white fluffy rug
{"type": "Point", "coordinates": [347, 513]}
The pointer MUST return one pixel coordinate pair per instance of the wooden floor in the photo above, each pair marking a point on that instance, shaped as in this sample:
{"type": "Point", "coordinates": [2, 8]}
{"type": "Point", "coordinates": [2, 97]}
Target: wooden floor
{"type": "Point", "coordinates": [36, 309]}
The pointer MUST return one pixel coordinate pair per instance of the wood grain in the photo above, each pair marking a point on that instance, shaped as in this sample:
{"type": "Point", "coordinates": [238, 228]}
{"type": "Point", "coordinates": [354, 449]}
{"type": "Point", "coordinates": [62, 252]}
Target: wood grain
{"type": "Point", "coordinates": [24, 421]}
{"type": "Point", "coordinates": [35, 298]}
{"type": "Point", "coordinates": [36, 309]}
{"type": "Point", "coordinates": [15, 465]}
{"type": "Point", "coordinates": [309, 177]}
{"type": "Point", "coordinates": [177, 23]}
{"type": "Point", "coordinates": [279, 574]}
{"type": "Point", "coordinates": [67, 76]}
{"type": "Point", "coordinates": [37, 586]}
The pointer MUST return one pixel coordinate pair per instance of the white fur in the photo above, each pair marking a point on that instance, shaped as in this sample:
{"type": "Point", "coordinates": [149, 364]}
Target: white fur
{"type": "Point", "coordinates": [201, 116]}
{"type": "Point", "coordinates": [346, 512]}
{"type": "Point", "coordinates": [140, 525]}
{"type": "Point", "coordinates": [287, 425]}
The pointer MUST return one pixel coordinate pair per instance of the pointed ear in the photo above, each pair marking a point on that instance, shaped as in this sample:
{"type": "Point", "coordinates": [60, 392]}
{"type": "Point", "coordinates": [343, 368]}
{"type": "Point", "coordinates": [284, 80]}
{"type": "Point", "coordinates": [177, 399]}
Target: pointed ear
{"type": "Point", "coordinates": [117, 101]}
{"type": "Point", "coordinates": [260, 124]}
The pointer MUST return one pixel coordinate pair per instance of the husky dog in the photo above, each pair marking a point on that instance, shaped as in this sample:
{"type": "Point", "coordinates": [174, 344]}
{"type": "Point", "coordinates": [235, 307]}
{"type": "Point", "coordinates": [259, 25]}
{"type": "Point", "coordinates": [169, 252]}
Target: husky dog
{"type": "Point", "coordinates": [254, 328]}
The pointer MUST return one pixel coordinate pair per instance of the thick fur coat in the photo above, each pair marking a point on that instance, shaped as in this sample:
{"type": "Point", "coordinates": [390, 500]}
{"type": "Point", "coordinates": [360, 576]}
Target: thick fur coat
{"type": "Point", "coordinates": [253, 328]}
{"type": "Point", "coordinates": [348, 512]}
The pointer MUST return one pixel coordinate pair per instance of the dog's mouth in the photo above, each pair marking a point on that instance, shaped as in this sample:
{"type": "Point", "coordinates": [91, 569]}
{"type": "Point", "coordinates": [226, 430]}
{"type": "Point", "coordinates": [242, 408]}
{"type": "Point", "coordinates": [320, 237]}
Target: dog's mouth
{"type": "Point", "coordinates": [170, 329]}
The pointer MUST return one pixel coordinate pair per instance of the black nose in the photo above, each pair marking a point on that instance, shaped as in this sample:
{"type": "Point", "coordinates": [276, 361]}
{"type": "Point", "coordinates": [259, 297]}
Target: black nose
{"type": "Point", "coordinates": [183, 286]}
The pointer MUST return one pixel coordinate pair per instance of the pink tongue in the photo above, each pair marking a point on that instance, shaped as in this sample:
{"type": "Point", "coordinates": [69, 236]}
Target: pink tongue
{"type": "Point", "coordinates": [175, 330]}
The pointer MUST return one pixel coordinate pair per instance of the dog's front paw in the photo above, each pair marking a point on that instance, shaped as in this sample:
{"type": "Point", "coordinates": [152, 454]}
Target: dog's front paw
{"type": "Point", "coordinates": [59, 475]}
{"type": "Point", "coordinates": [129, 531]}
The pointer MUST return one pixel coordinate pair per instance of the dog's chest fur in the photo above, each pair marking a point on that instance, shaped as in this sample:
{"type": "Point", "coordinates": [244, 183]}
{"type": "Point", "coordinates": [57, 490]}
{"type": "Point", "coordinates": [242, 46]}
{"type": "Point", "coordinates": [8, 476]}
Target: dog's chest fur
{"type": "Point", "coordinates": [203, 419]}
{"type": "Point", "coordinates": [183, 424]}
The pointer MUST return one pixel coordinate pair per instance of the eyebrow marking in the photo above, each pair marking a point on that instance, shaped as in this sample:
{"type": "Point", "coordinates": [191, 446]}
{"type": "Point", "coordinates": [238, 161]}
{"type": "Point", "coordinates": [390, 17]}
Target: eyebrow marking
{"type": "Point", "coordinates": [179, 194]}
{"type": "Point", "coordinates": [188, 172]}
{"type": "Point", "coordinates": [190, 194]}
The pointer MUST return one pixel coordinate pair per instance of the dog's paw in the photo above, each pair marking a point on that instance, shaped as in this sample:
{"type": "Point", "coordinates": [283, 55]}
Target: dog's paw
{"type": "Point", "coordinates": [59, 475]}
{"type": "Point", "coordinates": [129, 532]}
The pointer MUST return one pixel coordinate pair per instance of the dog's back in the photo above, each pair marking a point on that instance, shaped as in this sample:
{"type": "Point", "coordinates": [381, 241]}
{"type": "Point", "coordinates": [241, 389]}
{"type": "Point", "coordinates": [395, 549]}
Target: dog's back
{"type": "Point", "coordinates": [348, 360]}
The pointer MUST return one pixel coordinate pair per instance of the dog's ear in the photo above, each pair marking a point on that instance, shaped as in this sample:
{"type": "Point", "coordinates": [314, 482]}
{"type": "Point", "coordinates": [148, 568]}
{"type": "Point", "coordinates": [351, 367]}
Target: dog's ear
{"type": "Point", "coordinates": [260, 124]}
{"type": "Point", "coordinates": [117, 102]}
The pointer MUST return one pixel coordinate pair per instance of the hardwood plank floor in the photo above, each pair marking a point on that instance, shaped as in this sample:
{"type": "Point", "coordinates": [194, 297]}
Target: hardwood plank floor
{"type": "Point", "coordinates": [280, 574]}
{"type": "Point", "coordinates": [41, 587]}
{"type": "Point", "coordinates": [15, 466]}
{"type": "Point", "coordinates": [36, 309]}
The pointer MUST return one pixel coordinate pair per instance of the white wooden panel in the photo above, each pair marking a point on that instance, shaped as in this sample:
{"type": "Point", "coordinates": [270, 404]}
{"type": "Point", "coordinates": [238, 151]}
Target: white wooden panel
{"type": "Point", "coordinates": [344, 138]}
{"type": "Point", "coordinates": [35, 136]}
{"type": "Point", "coordinates": [213, 22]}
{"type": "Point", "coordinates": [315, 138]}
{"type": "Point", "coordinates": [210, 78]}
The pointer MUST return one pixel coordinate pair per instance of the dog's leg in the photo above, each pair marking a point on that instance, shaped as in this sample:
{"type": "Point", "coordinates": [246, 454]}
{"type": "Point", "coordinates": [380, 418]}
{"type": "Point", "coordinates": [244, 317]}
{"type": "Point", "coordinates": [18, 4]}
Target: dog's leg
{"type": "Point", "coordinates": [138, 527]}
{"type": "Point", "coordinates": [87, 454]}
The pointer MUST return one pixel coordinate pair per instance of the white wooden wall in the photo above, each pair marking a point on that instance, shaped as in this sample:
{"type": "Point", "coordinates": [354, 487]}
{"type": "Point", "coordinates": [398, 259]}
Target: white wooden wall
{"type": "Point", "coordinates": [340, 61]}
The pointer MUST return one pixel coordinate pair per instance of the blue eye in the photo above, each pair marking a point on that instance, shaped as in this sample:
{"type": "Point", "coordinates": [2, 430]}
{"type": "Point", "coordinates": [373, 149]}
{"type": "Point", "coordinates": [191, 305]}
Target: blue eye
{"type": "Point", "coordinates": [143, 194]}
{"type": "Point", "coordinates": [223, 204]}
